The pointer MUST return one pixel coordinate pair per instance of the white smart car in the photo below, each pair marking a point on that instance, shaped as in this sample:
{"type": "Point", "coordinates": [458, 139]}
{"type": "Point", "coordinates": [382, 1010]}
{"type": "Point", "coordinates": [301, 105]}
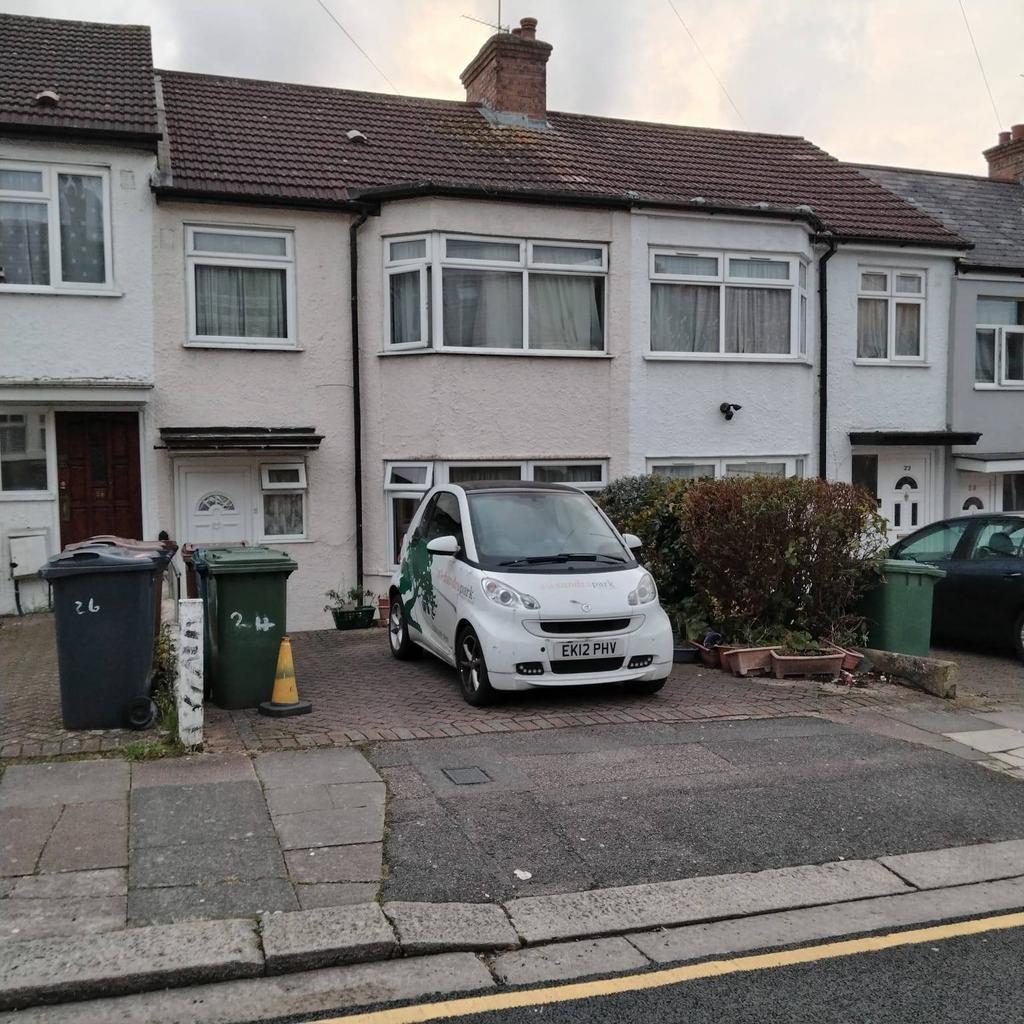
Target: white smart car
{"type": "Point", "coordinates": [523, 584]}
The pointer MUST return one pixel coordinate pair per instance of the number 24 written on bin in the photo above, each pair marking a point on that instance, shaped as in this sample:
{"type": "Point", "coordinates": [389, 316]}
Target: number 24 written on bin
{"type": "Point", "coordinates": [262, 622]}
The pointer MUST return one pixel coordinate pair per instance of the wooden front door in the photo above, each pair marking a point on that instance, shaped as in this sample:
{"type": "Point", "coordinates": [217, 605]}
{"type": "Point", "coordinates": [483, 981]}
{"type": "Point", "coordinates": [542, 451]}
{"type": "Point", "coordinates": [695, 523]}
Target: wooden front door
{"type": "Point", "coordinates": [98, 474]}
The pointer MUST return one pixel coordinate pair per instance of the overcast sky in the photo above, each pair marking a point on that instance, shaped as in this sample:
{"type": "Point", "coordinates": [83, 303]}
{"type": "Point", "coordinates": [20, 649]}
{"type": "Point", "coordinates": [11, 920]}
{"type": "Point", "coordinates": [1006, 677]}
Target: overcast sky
{"type": "Point", "coordinates": [879, 81]}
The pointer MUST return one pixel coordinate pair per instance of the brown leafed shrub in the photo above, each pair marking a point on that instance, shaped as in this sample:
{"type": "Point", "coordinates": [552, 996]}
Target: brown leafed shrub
{"type": "Point", "coordinates": [773, 555]}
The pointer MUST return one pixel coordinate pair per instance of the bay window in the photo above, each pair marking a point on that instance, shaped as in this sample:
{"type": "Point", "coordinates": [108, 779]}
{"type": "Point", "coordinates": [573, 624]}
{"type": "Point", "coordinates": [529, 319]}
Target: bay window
{"type": "Point", "coordinates": [241, 287]}
{"type": "Point", "coordinates": [999, 342]}
{"type": "Point", "coordinates": [495, 294]}
{"type": "Point", "coordinates": [54, 227]}
{"type": "Point", "coordinates": [890, 315]}
{"type": "Point", "coordinates": [712, 304]}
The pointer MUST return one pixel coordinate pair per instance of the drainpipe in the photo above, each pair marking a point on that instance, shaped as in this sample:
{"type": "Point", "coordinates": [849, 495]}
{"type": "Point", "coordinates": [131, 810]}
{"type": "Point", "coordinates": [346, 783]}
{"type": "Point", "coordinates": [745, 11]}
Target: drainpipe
{"type": "Point", "coordinates": [357, 418]}
{"type": "Point", "coordinates": [823, 358]}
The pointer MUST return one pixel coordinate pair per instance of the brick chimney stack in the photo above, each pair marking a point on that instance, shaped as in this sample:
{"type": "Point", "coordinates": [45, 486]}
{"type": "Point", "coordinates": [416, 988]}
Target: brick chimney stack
{"type": "Point", "coordinates": [1006, 158]}
{"type": "Point", "coordinates": [509, 74]}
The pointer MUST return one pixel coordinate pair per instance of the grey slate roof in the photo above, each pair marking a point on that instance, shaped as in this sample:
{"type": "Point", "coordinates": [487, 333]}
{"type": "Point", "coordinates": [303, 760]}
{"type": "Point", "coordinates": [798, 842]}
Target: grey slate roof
{"type": "Point", "coordinates": [988, 213]}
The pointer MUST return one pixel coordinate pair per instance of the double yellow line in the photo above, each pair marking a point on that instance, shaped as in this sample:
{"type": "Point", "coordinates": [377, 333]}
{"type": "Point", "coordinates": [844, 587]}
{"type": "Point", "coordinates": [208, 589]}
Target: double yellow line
{"type": "Point", "coordinates": [677, 975]}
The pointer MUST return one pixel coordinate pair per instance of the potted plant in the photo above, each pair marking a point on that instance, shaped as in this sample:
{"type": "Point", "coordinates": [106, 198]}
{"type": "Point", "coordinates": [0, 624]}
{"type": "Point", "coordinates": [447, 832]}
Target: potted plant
{"type": "Point", "coordinates": [709, 649]}
{"type": "Point", "coordinates": [801, 655]}
{"type": "Point", "coordinates": [684, 624]}
{"type": "Point", "coordinates": [352, 609]}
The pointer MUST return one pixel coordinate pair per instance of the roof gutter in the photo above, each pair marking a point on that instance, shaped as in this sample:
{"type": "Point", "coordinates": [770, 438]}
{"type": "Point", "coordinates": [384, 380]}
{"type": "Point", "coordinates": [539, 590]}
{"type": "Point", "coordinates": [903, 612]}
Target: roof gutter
{"type": "Point", "coordinates": [71, 133]}
{"type": "Point", "coordinates": [967, 267]}
{"type": "Point", "coordinates": [823, 356]}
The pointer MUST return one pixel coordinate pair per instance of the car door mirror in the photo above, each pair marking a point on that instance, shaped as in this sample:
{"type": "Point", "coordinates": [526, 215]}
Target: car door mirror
{"type": "Point", "coordinates": [446, 545]}
{"type": "Point", "coordinates": [633, 542]}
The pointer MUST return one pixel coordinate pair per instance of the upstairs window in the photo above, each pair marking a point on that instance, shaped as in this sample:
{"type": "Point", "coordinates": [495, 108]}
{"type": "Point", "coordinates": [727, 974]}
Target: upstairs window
{"type": "Point", "coordinates": [241, 287]}
{"type": "Point", "coordinates": [495, 294]}
{"type": "Point", "coordinates": [54, 227]}
{"type": "Point", "coordinates": [890, 315]}
{"type": "Point", "coordinates": [713, 304]}
{"type": "Point", "coordinates": [999, 342]}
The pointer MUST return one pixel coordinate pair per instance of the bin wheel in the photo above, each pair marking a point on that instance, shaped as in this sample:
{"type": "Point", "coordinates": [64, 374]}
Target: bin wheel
{"type": "Point", "coordinates": [140, 713]}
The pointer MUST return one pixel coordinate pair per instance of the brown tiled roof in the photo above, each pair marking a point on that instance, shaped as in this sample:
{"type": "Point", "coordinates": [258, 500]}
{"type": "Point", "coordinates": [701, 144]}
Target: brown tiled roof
{"type": "Point", "coordinates": [273, 141]}
{"type": "Point", "coordinates": [102, 73]}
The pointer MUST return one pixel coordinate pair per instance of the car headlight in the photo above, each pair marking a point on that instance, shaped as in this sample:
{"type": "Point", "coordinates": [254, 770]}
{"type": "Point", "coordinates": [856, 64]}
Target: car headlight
{"type": "Point", "coordinates": [506, 596]}
{"type": "Point", "coordinates": [645, 591]}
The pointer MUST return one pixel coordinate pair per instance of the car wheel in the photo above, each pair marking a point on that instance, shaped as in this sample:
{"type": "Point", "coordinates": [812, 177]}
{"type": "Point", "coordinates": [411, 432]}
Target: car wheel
{"type": "Point", "coordinates": [399, 640]}
{"type": "Point", "coordinates": [1018, 636]}
{"type": "Point", "coordinates": [469, 661]}
{"type": "Point", "coordinates": [646, 686]}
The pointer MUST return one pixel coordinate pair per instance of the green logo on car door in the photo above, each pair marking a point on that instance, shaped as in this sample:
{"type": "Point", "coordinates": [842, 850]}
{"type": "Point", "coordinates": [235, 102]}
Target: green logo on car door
{"type": "Point", "coordinates": [416, 582]}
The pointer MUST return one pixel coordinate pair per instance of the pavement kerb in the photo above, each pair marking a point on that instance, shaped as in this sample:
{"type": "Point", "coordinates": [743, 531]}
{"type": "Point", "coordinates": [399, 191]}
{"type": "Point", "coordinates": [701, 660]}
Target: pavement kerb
{"type": "Point", "coordinates": [139, 960]}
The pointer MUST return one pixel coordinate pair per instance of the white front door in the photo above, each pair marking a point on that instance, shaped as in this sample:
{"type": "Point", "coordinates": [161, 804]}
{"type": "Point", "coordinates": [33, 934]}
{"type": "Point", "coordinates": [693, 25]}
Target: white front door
{"type": "Point", "coordinates": [217, 505]}
{"type": "Point", "coordinates": [905, 489]}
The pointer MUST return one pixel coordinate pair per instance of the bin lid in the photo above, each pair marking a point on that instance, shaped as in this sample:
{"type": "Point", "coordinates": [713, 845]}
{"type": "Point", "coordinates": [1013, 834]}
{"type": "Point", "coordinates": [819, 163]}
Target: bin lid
{"type": "Point", "coordinates": [217, 561]}
{"type": "Point", "coordinates": [99, 559]}
{"type": "Point", "coordinates": [909, 567]}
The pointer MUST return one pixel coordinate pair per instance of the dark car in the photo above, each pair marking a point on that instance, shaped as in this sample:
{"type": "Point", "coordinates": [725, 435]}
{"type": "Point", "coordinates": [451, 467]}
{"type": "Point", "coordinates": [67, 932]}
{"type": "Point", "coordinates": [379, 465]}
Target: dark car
{"type": "Point", "coordinates": [981, 600]}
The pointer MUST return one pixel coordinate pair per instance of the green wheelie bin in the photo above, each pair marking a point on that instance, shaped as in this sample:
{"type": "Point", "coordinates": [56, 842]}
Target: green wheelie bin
{"type": "Point", "coordinates": [899, 609]}
{"type": "Point", "coordinates": [244, 590]}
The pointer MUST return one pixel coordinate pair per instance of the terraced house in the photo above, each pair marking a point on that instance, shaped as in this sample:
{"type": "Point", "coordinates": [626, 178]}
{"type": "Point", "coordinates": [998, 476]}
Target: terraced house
{"type": "Point", "coordinates": [355, 295]}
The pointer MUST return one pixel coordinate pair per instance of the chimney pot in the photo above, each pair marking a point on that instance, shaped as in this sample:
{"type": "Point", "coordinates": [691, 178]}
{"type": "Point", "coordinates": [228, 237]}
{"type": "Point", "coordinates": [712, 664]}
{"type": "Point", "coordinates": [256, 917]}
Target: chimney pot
{"type": "Point", "coordinates": [1004, 138]}
{"type": "Point", "coordinates": [528, 28]}
{"type": "Point", "coordinates": [517, 31]}
{"type": "Point", "coordinates": [1016, 131]}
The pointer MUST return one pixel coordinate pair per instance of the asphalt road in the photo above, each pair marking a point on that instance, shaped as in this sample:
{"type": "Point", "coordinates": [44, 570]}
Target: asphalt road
{"type": "Point", "coordinates": [620, 805]}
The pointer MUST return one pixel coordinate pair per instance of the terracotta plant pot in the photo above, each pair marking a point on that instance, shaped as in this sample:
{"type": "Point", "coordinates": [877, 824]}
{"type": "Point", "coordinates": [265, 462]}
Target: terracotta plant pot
{"type": "Point", "coordinates": [806, 664]}
{"type": "Point", "coordinates": [709, 656]}
{"type": "Point", "coordinates": [746, 660]}
{"type": "Point", "coordinates": [851, 659]}
{"type": "Point", "coordinates": [724, 651]}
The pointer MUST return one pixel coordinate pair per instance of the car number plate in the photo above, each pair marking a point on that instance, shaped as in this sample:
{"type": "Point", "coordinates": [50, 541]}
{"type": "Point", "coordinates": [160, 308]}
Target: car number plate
{"type": "Point", "coordinates": [570, 649]}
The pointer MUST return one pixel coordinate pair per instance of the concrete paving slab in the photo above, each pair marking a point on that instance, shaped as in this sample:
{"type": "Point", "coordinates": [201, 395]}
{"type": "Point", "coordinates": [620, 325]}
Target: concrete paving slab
{"type": "Point", "coordinates": [296, 799]}
{"type": "Point", "coordinates": [960, 865]}
{"type": "Point", "coordinates": [1006, 719]}
{"type": "Point", "coordinates": [336, 894]}
{"type": "Point", "coordinates": [291, 996]}
{"type": "Point", "coordinates": [88, 836]}
{"type": "Point", "coordinates": [24, 834]}
{"type": "Point", "coordinates": [308, 767]}
{"type": "Point", "coordinates": [564, 960]}
{"type": "Point", "coordinates": [6, 886]}
{"type": "Point", "coordinates": [640, 907]}
{"type": "Point", "coordinates": [989, 740]}
{"type": "Point", "coordinates": [357, 794]}
{"type": "Point", "coordinates": [73, 884]}
{"type": "Point", "coordinates": [70, 782]}
{"type": "Point", "coordinates": [792, 927]}
{"type": "Point", "coordinates": [209, 902]}
{"type": "Point", "coordinates": [336, 827]}
{"type": "Point", "coordinates": [165, 815]}
{"type": "Point", "coordinates": [1010, 758]}
{"type": "Point", "coordinates": [22, 919]}
{"type": "Point", "coordinates": [190, 863]}
{"type": "Point", "coordinates": [129, 961]}
{"type": "Point", "coordinates": [444, 927]}
{"type": "Point", "coordinates": [193, 770]}
{"type": "Point", "coordinates": [358, 863]}
{"type": "Point", "coordinates": [940, 721]}
{"type": "Point", "coordinates": [309, 939]}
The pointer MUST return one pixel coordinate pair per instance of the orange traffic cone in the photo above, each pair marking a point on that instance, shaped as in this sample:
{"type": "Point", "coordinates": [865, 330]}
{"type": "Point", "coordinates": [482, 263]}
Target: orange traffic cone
{"type": "Point", "coordinates": [285, 701]}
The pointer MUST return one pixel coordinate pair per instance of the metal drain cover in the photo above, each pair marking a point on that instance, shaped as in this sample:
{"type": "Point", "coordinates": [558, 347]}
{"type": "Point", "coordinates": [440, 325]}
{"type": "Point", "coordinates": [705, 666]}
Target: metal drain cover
{"type": "Point", "coordinates": [467, 776]}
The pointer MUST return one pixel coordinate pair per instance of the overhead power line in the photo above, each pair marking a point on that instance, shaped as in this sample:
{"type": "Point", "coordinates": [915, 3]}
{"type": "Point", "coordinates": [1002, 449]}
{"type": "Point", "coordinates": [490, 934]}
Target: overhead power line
{"type": "Point", "coordinates": [981, 66]}
{"type": "Point", "coordinates": [703, 57]}
{"type": "Point", "coordinates": [352, 40]}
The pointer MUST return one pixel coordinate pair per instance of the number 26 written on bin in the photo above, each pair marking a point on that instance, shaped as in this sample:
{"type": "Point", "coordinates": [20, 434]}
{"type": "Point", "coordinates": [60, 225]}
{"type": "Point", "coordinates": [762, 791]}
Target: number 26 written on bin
{"type": "Point", "coordinates": [81, 607]}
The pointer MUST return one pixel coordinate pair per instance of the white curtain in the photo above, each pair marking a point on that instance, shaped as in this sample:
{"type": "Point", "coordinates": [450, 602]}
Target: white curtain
{"type": "Point", "coordinates": [684, 317]}
{"type": "Point", "coordinates": [240, 302]}
{"type": "Point", "coordinates": [757, 320]}
{"type": "Point", "coordinates": [282, 515]}
{"type": "Point", "coordinates": [908, 329]}
{"type": "Point", "coordinates": [872, 328]}
{"type": "Point", "coordinates": [405, 308]}
{"type": "Point", "coordinates": [567, 474]}
{"type": "Point", "coordinates": [483, 308]}
{"type": "Point", "coordinates": [566, 312]}
{"type": "Point", "coordinates": [1013, 492]}
{"type": "Point", "coordinates": [24, 243]}
{"type": "Point", "coordinates": [985, 357]}
{"type": "Point", "coordinates": [81, 228]}
{"type": "Point", "coordinates": [468, 474]}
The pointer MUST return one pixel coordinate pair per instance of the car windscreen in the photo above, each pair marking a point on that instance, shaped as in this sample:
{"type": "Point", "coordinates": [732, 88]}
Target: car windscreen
{"type": "Point", "coordinates": [543, 531]}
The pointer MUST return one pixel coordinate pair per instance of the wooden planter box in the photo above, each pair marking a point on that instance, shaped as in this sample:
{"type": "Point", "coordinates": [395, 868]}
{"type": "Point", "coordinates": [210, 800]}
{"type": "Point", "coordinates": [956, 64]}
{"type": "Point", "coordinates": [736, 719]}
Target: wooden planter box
{"type": "Point", "coordinates": [746, 660]}
{"type": "Point", "coordinates": [806, 664]}
{"type": "Point", "coordinates": [353, 618]}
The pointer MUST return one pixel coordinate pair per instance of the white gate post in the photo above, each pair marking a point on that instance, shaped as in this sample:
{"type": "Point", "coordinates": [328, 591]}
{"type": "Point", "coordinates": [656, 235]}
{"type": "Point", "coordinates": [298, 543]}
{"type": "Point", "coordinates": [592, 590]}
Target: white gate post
{"type": "Point", "coordinates": [189, 683]}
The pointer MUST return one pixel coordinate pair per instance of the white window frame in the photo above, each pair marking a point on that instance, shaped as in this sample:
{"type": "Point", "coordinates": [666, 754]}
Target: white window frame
{"type": "Point", "coordinates": [586, 485]}
{"type": "Point", "coordinates": [723, 280]}
{"type": "Point", "coordinates": [794, 463]}
{"type": "Point", "coordinates": [50, 197]}
{"type": "Point", "coordinates": [195, 258]}
{"type": "Point", "coordinates": [893, 297]}
{"type": "Point", "coordinates": [49, 492]}
{"type": "Point", "coordinates": [413, 492]}
{"type": "Point", "coordinates": [434, 261]}
{"type": "Point", "coordinates": [1000, 381]}
{"type": "Point", "coordinates": [264, 488]}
